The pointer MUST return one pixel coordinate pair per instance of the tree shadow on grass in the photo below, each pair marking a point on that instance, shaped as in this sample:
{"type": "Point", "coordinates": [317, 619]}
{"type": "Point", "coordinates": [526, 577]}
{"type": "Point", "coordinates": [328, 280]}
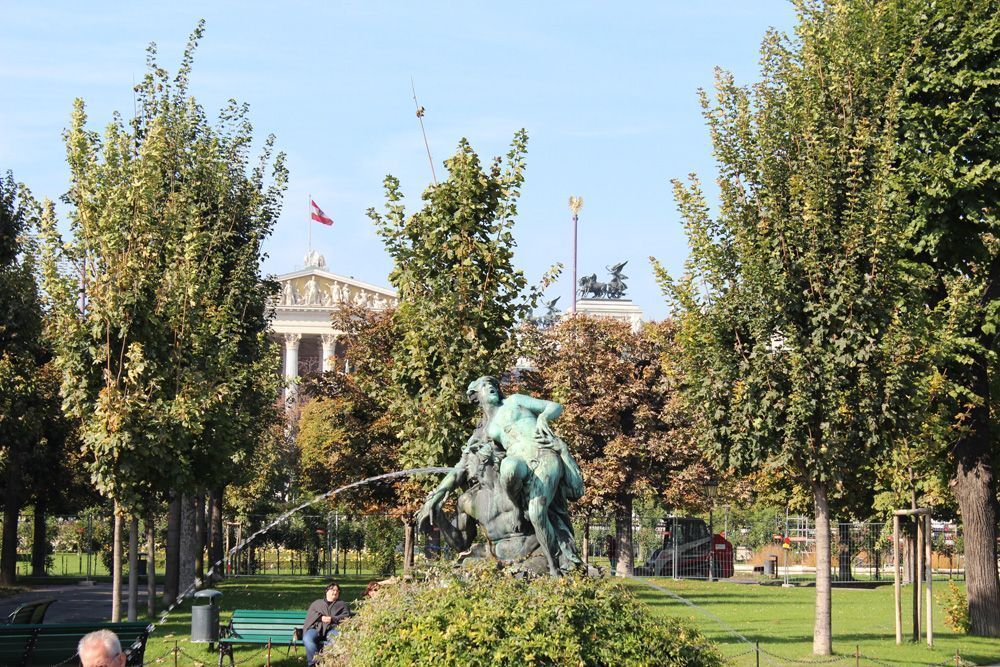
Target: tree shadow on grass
{"type": "Point", "coordinates": [657, 598]}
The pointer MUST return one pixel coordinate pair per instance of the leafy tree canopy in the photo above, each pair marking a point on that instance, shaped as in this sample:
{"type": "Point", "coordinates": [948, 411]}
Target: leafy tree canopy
{"type": "Point", "coordinates": [156, 299]}
{"type": "Point", "coordinates": [460, 297]}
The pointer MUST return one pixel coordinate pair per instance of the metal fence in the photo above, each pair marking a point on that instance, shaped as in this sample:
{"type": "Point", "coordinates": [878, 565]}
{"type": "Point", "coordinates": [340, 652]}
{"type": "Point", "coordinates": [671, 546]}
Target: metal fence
{"type": "Point", "coordinates": [312, 544]}
{"type": "Point", "coordinates": [774, 547]}
{"type": "Point", "coordinates": [304, 545]}
{"type": "Point", "coordinates": [777, 546]}
{"type": "Point", "coordinates": [74, 545]}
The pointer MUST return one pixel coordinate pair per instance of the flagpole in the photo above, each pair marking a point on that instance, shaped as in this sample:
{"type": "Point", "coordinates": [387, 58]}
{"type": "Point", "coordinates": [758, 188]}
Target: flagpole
{"type": "Point", "coordinates": [309, 226]}
{"type": "Point", "coordinates": [420, 117]}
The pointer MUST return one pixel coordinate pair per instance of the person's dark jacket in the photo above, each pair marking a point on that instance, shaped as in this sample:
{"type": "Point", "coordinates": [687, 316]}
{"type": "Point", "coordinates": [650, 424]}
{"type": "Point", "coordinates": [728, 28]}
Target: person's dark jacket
{"type": "Point", "coordinates": [337, 611]}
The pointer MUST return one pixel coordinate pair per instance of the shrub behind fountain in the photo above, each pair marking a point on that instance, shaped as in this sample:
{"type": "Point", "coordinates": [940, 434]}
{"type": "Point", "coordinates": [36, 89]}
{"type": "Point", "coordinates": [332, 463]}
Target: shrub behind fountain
{"type": "Point", "coordinates": [486, 617]}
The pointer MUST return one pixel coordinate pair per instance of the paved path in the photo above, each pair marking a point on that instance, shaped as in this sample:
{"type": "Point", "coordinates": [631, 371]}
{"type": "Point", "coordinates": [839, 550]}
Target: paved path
{"type": "Point", "coordinates": [74, 603]}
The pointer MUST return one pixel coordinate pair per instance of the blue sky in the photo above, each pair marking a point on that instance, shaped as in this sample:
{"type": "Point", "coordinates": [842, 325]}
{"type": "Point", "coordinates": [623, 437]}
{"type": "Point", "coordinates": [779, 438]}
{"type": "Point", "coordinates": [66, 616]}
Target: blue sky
{"type": "Point", "coordinates": [606, 91]}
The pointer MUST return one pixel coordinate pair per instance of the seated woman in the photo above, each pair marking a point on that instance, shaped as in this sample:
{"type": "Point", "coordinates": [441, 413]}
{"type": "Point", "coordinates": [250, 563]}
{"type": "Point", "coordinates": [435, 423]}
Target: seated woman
{"type": "Point", "coordinates": [321, 622]}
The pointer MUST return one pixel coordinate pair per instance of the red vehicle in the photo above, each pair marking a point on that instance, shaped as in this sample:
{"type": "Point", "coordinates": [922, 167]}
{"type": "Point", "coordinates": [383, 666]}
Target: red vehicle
{"type": "Point", "coordinates": [693, 550]}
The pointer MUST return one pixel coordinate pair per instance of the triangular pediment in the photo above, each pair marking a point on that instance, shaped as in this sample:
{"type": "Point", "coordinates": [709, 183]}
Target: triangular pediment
{"type": "Point", "coordinates": [313, 287]}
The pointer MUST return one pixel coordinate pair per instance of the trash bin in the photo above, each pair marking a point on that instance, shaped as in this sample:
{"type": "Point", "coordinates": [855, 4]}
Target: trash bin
{"type": "Point", "coordinates": [140, 567]}
{"type": "Point", "coordinates": [771, 566]}
{"type": "Point", "coordinates": [205, 616]}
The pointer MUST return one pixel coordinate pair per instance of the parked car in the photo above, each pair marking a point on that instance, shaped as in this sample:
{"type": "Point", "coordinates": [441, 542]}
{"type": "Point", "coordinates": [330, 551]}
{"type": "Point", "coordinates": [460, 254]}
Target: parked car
{"type": "Point", "coordinates": [695, 546]}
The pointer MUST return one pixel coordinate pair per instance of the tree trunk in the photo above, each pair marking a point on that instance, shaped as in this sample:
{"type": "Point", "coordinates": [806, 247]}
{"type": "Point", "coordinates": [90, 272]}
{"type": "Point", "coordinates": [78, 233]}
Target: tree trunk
{"type": "Point", "coordinates": [845, 552]}
{"type": "Point", "coordinates": [171, 565]}
{"type": "Point", "coordinates": [150, 566]}
{"type": "Point", "coordinates": [116, 568]}
{"type": "Point", "coordinates": [906, 552]}
{"type": "Point", "coordinates": [188, 544]}
{"type": "Point", "coordinates": [11, 510]}
{"type": "Point", "coordinates": [216, 545]}
{"type": "Point", "coordinates": [200, 537]}
{"type": "Point", "coordinates": [133, 568]}
{"type": "Point", "coordinates": [822, 643]}
{"type": "Point", "coordinates": [39, 541]}
{"type": "Point", "coordinates": [623, 535]}
{"type": "Point", "coordinates": [312, 556]}
{"type": "Point", "coordinates": [346, 550]}
{"type": "Point", "coordinates": [914, 556]}
{"type": "Point", "coordinates": [973, 488]}
{"type": "Point", "coordinates": [586, 542]}
{"type": "Point", "coordinates": [407, 548]}
{"type": "Point", "coordinates": [8, 550]}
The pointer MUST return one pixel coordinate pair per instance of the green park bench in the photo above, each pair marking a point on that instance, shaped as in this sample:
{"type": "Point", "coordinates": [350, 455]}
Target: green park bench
{"type": "Point", "coordinates": [261, 626]}
{"type": "Point", "coordinates": [55, 643]}
{"type": "Point", "coordinates": [30, 613]}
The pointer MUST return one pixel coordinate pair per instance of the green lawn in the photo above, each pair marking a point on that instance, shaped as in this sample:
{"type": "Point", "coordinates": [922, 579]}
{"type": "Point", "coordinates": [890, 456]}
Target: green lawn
{"type": "Point", "coordinates": [781, 619]}
{"type": "Point", "coordinates": [245, 593]}
{"type": "Point", "coordinates": [66, 563]}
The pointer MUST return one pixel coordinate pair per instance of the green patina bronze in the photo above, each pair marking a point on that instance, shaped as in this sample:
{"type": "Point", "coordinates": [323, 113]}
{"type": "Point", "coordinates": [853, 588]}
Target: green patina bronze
{"type": "Point", "coordinates": [516, 477]}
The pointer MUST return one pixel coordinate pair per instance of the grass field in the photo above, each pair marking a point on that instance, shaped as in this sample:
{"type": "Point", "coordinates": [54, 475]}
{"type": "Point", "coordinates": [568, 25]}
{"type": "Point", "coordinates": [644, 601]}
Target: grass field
{"type": "Point", "coordinates": [781, 619]}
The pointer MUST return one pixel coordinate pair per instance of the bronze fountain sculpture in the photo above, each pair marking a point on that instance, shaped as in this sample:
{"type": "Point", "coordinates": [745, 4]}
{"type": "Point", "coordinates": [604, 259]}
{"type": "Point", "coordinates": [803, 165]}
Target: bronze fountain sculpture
{"type": "Point", "coordinates": [516, 478]}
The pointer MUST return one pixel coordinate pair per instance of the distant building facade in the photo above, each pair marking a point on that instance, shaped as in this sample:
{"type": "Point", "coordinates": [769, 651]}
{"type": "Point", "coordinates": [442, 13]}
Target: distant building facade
{"type": "Point", "coordinates": [303, 310]}
{"type": "Point", "coordinates": [623, 310]}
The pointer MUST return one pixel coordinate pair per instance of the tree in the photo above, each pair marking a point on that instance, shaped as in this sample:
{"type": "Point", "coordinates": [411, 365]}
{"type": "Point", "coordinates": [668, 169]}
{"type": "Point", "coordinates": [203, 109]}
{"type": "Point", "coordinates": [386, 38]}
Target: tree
{"type": "Point", "coordinates": [54, 477]}
{"type": "Point", "coordinates": [21, 356]}
{"type": "Point", "coordinates": [459, 298]}
{"type": "Point", "coordinates": [162, 346]}
{"type": "Point", "coordinates": [793, 313]}
{"type": "Point", "coordinates": [345, 431]}
{"type": "Point", "coordinates": [623, 419]}
{"type": "Point", "coordinates": [344, 436]}
{"type": "Point", "coordinates": [950, 137]}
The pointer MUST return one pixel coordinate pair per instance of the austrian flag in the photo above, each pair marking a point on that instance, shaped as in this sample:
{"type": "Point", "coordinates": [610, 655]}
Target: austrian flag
{"type": "Point", "coordinates": [318, 215]}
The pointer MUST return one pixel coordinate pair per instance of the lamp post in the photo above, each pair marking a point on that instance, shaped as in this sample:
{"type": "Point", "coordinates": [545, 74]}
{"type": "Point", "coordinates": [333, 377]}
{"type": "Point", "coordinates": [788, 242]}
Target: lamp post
{"type": "Point", "coordinates": [711, 490]}
{"type": "Point", "coordinates": [575, 204]}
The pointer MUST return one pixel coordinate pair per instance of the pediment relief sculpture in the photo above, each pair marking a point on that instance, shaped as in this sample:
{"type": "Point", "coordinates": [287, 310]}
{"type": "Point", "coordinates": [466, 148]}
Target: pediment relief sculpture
{"type": "Point", "coordinates": [320, 292]}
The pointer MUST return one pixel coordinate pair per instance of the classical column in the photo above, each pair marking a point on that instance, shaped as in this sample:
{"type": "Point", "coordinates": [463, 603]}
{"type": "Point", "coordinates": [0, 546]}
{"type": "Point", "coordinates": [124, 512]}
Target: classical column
{"type": "Point", "coordinates": [291, 362]}
{"type": "Point", "coordinates": [329, 351]}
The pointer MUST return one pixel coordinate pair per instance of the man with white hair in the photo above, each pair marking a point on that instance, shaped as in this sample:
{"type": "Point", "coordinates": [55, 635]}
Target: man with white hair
{"type": "Point", "coordinates": [101, 649]}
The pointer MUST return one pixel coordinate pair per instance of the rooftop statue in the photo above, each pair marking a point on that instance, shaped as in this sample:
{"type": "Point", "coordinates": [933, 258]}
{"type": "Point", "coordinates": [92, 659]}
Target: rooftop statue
{"type": "Point", "coordinates": [314, 259]}
{"type": "Point", "coordinates": [613, 289]}
{"type": "Point", "coordinates": [551, 316]}
{"type": "Point", "coordinates": [516, 478]}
